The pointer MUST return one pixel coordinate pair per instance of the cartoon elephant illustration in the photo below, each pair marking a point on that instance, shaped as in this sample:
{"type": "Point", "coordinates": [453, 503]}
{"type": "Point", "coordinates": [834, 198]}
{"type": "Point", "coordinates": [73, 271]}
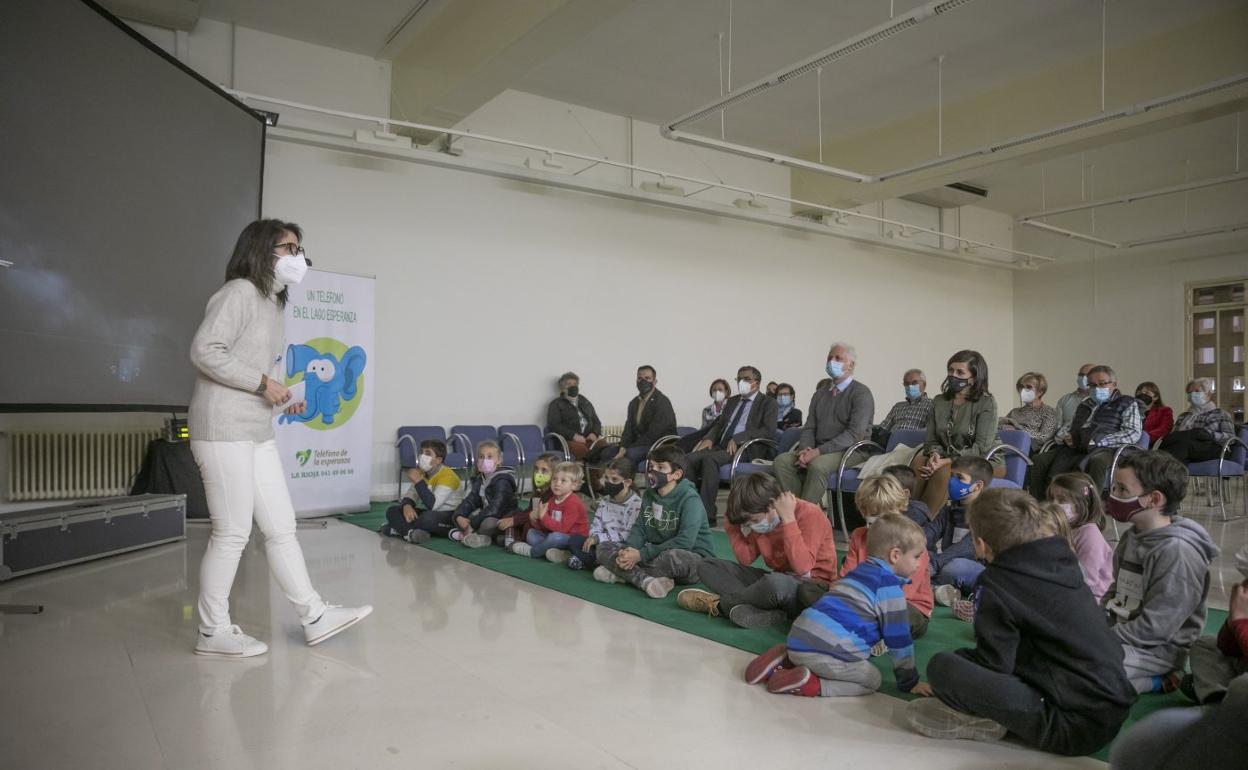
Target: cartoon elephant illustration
{"type": "Point", "coordinates": [327, 381]}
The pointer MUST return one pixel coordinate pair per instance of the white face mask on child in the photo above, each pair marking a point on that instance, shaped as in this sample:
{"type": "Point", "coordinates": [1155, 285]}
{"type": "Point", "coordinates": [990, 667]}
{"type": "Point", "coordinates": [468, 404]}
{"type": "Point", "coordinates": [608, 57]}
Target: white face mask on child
{"type": "Point", "coordinates": [1069, 510]}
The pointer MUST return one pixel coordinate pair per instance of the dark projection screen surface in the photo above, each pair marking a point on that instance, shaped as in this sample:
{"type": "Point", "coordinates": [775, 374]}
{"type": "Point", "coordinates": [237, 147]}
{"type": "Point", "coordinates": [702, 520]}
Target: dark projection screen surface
{"type": "Point", "coordinates": [124, 182]}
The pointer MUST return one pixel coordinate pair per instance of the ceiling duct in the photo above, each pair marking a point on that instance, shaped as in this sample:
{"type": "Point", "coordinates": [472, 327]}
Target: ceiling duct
{"type": "Point", "coordinates": [166, 14]}
{"type": "Point", "coordinates": [950, 196]}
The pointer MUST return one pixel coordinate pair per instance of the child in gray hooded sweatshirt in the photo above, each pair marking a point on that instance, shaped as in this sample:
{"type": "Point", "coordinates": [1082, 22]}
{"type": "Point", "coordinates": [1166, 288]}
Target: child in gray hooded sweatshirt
{"type": "Point", "coordinates": [1156, 604]}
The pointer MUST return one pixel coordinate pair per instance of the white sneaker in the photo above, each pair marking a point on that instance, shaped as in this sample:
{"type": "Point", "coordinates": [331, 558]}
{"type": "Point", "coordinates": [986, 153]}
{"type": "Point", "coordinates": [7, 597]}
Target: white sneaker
{"type": "Point", "coordinates": [333, 620]}
{"type": "Point", "coordinates": [946, 594]}
{"type": "Point", "coordinates": [230, 644]}
{"type": "Point", "coordinates": [522, 549]}
{"type": "Point", "coordinates": [558, 555]}
{"type": "Point", "coordinates": [660, 587]}
{"type": "Point", "coordinates": [604, 575]}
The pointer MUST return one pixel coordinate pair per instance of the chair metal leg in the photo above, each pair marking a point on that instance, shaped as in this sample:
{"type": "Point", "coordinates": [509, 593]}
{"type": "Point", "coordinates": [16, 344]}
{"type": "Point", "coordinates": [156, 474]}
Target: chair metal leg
{"type": "Point", "coordinates": [21, 609]}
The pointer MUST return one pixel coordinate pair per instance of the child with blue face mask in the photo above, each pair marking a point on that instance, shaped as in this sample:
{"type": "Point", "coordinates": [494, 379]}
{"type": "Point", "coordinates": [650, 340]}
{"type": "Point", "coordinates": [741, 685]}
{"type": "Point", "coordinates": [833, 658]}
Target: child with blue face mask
{"type": "Point", "coordinates": [787, 415]}
{"type": "Point", "coordinates": [951, 554]}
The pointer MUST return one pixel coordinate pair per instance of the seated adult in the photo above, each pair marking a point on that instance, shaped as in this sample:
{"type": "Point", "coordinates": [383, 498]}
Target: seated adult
{"type": "Point", "coordinates": [1199, 433]}
{"type": "Point", "coordinates": [572, 416]}
{"type": "Point", "coordinates": [840, 416]}
{"type": "Point", "coordinates": [1105, 420]}
{"type": "Point", "coordinates": [911, 412]}
{"type": "Point", "coordinates": [1035, 417]}
{"type": "Point", "coordinates": [1067, 404]}
{"type": "Point", "coordinates": [1158, 418]}
{"type": "Point", "coordinates": [771, 388]}
{"type": "Point", "coordinates": [650, 418]}
{"type": "Point", "coordinates": [963, 421]}
{"type": "Point", "coordinates": [787, 415]}
{"type": "Point", "coordinates": [748, 415]}
{"type": "Point", "coordinates": [719, 396]}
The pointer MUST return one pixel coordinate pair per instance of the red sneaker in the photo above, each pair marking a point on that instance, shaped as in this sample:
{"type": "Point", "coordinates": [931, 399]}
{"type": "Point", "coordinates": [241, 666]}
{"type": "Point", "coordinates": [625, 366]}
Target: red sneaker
{"type": "Point", "coordinates": [766, 664]}
{"type": "Point", "coordinates": [794, 681]}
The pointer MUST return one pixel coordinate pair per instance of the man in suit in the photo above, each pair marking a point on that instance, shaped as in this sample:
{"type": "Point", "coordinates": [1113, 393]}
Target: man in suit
{"type": "Point", "coordinates": [746, 416]}
{"type": "Point", "coordinates": [840, 416]}
{"type": "Point", "coordinates": [650, 418]}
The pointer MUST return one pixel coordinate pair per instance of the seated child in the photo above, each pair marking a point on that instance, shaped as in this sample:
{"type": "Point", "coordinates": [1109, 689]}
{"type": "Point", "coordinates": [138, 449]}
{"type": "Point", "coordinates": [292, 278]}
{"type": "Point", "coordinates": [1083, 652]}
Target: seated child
{"type": "Point", "coordinates": [829, 646]}
{"type": "Point", "coordinates": [1080, 500]}
{"type": "Point", "coordinates": [1156, 604]}
{"type": "Point", "coordinates": [553, 522]}
{"type": "Point", "coordinates": [491, 496]}
{"type": "Point", "coordinates": [514, 526]}
{"type": "Point", "coordinates": [876, 497]}
{"type": "Point", "coordinates": [1044, 666]}
{"type": "Point", "coordinates": [916, 509]}
{"type": "Point", "coordinates": [613, 518]}
{"type": "Point", "coordinates": [794, 538]}
{"type": "Point", "coordinates": [671, 535]}
{"type": "Point", "coordinates": [1217, 660]}
{"type": "Point", "coordinates": [435, 492]}
{"type": "Point", "coordinates": [954, 568]}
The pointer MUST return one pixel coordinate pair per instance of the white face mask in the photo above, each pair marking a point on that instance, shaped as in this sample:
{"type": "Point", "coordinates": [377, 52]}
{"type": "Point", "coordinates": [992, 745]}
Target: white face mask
{"type": "Point", "coordinates": [744, 387]}
{"type": "Point", "coordinates": [1069, 510]}
{"type": "Point", "coordinates": [425, 462]}
{"type": "Point", "coordinates": [1027, 395]}
{"type": "Point", "coordinates": [290, 269]}
{"type": "Point", "coordinates": [719, 395]}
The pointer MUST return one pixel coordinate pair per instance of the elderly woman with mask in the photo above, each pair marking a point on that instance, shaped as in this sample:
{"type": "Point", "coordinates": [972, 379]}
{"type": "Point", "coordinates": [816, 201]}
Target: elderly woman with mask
{"type": "Point", "coordinates": [1199, 432]}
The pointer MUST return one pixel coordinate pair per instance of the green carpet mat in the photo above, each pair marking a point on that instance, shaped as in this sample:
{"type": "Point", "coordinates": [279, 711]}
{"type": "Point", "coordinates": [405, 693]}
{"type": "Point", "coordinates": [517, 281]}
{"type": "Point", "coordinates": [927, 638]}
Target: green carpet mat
{"type": "Point", "coordinates": [944, 633]}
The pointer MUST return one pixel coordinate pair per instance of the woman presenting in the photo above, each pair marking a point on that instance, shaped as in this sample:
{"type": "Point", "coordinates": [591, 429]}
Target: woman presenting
{"type": "Point", "coordinates": [237, 354]}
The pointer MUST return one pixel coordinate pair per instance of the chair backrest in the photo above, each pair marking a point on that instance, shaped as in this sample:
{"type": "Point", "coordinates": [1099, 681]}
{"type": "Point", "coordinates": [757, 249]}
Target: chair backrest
{"type": "Point", "coordinates": [685, 430]}
{"type": "Point", "coordinates": [1015, 466]}
{"type": "Point", "coordinates": [466, 438]}
{"type": "Point", "coordinates": [409, 437]}
{"type": "Point", "coordinates": [907, 436]}
{"type": "Point", "coordinates": [531, 441]}
{"type": "Point", "coordinates": [1143, 442]}
{"type": "Point", "coordinates": [1239, 453]}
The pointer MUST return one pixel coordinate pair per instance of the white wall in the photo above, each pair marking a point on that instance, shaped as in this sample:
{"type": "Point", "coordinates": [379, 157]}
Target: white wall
{"type": "Point", "coordinates": [1126, 311]}
{"type": "Point", "coordinates": [488, 289]}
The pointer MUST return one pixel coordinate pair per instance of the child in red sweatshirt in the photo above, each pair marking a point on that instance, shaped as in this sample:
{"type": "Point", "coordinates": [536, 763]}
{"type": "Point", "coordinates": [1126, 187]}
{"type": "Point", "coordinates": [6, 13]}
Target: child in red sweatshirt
{"type": "Point", "coordinates": [554, 522]}
{"type": "Point", "coordinates": [876, 497]}
{"type": "Point", "coordinates": [794, 538]}
{"type": "Point", "coordinates": [1215, 662]}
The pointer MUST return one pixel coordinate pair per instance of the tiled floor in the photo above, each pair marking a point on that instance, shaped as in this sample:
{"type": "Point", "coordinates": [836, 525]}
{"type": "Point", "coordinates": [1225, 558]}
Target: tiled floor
{"type": "Point", "coordinates": [458, 666]}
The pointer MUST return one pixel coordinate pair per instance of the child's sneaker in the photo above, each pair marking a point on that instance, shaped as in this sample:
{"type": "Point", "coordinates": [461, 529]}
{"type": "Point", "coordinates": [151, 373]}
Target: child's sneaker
{"type": "Point", "coordinates": [574, 562]}
{"type": "Point", "coordinates": [509, 538]}
{"type": "Point", "coordinates": [697, 600]}
{"type": "Point", "coordinates": [658, 587]}
{"type": "Point", "coordinates": [946, 594]}
{"type": "Point", "coordinates": [766, 664]}
{"type": "Point", "coordinates": [604, 575]}
{"type": "Point", "coordinates": [794, 681]}
{"type": "Point", "coordinates": [522, 549]}
{"type": "Point", "coordinates": [385, 530]}
{"type": "Point", "coordinates": [477, 540]}
{"type": "Point", "coordinates": [457, 535]}
{"type": "Point", "coordinates": [416, 536]}
{"type": "Point", "coordinates": [558, 555]}
{"type": "Point", "coordinates": [964, 609]}
{"type": "Point", "coordinates": [879, 649]}
{"type": "Point", "coordinates": [930, 717]}
{"type": "Point", "coordinates": [749, 616]}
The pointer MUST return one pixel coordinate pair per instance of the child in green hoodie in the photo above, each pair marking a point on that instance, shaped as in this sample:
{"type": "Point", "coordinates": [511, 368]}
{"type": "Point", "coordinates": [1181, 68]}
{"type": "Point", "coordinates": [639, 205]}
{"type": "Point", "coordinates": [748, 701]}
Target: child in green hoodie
{"type": "Point", "coordinates": [671, 535]}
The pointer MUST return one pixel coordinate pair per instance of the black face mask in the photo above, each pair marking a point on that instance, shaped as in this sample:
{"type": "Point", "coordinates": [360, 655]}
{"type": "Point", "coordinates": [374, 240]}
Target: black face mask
{"type": "Point", "coordinates": [1144, 399]}
{"type": "Point", "coordinates": [956, 384]}
{"type": "Point", "coordinates": [644, 386]}
{"type": "Point", "coordinates": [612, 489]}
{"type": "Point", "coordinates": [657, 480]}
{"type": "Point", "coordinates": [573, 391]}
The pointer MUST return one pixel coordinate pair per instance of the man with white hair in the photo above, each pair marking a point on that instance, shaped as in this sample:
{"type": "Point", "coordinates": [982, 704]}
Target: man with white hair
{"type": "Point", "coordinates": [840, 416]}
{"type": "Point", "coordinates": [1200, 432]}
{"type": "Point", "coordinates": [910, 413]}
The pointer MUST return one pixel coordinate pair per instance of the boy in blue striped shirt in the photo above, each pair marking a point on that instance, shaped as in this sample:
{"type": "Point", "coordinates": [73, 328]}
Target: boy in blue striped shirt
{"type": "Point", "coordinates": [829, 646]}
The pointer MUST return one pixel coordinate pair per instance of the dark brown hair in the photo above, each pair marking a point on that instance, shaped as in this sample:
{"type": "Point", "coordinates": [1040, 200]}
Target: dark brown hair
{"type": "Point", "coordinates": [1082, 492]}
{"type": "Point", "coordinates": [1156, 391]}
{"type": "Point", "coordinates": [1004, 518]}
{"type": "Point", "coordinates": [751, 495]}
{"type": "Point", "coordinates": [253, 259]}
{"type": "Point", "coordinates": [979, 370]}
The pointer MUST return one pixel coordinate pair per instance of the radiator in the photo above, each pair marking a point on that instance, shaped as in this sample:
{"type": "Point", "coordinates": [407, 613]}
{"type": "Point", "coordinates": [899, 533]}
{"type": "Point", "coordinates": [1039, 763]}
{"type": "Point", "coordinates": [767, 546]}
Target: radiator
{"type": "Point", "coordinates": [57, 466]}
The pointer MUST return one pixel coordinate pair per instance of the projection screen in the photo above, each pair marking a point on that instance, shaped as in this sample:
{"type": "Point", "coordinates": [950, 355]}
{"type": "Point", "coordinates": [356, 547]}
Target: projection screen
{"type": "Point", "coordinates": [125, 181]}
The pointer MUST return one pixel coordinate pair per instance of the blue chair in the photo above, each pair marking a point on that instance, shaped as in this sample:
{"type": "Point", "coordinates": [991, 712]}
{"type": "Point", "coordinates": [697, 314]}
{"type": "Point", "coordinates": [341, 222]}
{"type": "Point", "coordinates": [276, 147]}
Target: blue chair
{"type": "Point", "coordinates": [1229, 465]}
{"type": "Point", "coordinates": [409, 438]}
{"type": "Point", "coordinates": [1138, 446]}
{"type": "Point", "coordinates": [846, 479]}
{"type": "Point", "coordinates": [560, 443]}
{"type": "Point", "coordinates": [466, 438]}
{"type": "Point", "coordinates": [783, 442]}
{"type": "Point", "coordinates": [523, 443]}
{"type": "Point", "coordinates": [1016, 446]}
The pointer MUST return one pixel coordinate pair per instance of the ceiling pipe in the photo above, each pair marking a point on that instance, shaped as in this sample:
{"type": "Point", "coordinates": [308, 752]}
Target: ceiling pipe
{"type": "Point", "coordinates": [1138, 108]}
{"type": "Point", "coordinates": [877, 34]}
{"type": "Point", "coordinates": [1221, 229]}
{"type": "Point", "coordinates": [1073, 234]}
{"type": "Point", "coordinates": [1019, 258]}
{"type": "Point", "coordinates": [1135, 196]}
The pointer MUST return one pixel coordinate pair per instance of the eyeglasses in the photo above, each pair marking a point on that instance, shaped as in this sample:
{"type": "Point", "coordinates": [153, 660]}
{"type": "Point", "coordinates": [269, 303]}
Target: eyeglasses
{"type": "Point", "coordinates": [290, 249]}
{"type": "Point", "coordinates": [1101, 384]}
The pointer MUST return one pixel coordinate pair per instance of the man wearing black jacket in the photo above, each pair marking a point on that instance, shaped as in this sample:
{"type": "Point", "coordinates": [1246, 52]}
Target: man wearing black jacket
{"type": "Point", "coordinates": [1045, 665]}
{"type": "Point", "coordinates": [650, 418]}
{"type": "Point", "coordinates": [746, 416]}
